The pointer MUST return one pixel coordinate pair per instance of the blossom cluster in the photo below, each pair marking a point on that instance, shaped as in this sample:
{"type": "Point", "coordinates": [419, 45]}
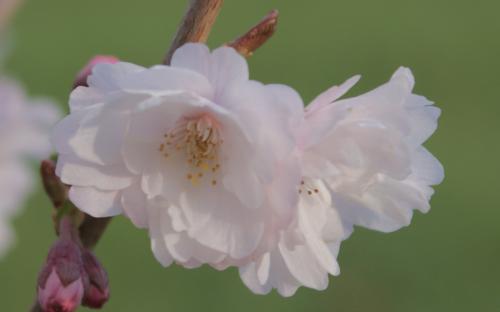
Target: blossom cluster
{"type": "Point", "coordinates": [226, 171]}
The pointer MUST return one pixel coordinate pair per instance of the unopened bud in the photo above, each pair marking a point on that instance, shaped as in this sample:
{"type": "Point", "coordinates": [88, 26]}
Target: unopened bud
{"type": "Point", "coordinates": [97, 294]}
{"type": "Point", "coordinates": [81, 78]}
{"type": "Point", "coordinates": [62, 281]}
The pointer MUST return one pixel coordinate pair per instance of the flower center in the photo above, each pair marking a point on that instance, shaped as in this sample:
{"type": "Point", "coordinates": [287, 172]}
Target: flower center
{"type": "Point", "coordinates": [306, 187]}
{"type": "Point", "coordinates": [197, 140]}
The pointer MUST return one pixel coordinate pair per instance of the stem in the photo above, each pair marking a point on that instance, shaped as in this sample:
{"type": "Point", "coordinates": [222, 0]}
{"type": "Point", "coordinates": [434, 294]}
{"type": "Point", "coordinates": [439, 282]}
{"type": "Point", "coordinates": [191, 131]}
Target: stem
{"type": "Point", "coordinates": [55, 189]}
{"type": "Point", "coordinates": [257, 35]}
{"type": "Point", "coordinates": [36, 307]}
{"type": "Point", "coordinates": [7, 9]}
{"type": "Point", "coordinates": [92, 229]}
{"type": "Point", "coordinates": [195, 25]}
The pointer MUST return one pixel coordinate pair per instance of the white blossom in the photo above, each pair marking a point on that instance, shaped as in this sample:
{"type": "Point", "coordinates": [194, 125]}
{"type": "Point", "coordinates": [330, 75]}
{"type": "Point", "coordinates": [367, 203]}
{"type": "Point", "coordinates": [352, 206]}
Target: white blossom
{"type": "Point", "coordinates": [363, 164]}
{"type": "Point", "coordinates": [189, 151]}
{"type": "Point", "coordinates": [24, 133]}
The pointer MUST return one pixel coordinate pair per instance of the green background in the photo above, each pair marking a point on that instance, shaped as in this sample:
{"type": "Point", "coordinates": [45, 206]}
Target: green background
{"type": "Point", "coordinates": [447, 260]}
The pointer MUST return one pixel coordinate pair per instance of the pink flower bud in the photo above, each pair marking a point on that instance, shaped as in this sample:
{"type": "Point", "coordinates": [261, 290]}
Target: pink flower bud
{"type": "Point", "coordinates": [62, 281]}
{"type": "Point", "coordinates": [97, 294]}
{"type": "Point", "coordinates": [81, 78]}
{"type": "Point", "coordinates": [57, 297]}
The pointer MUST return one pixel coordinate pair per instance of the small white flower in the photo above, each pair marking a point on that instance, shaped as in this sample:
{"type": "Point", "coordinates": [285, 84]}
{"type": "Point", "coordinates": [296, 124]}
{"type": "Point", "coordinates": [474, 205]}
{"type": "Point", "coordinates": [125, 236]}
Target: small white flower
{"type": "Point", "coordinates": [188, 151]}
{"type": "Point", "coordinates": [363, 164]}
{"type": "Point", "coordinates": [24, 128]}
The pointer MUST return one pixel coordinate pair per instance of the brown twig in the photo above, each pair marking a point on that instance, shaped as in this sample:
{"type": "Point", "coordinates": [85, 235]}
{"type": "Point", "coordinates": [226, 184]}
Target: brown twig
{"type": "Point", "coordinates": [257, 35]}
{"type": "Point", "coordinates": [196, 24]}
{"type": "Point", "coordinates": [55, 189]}
{"type": "Point", "coordinates": [92, 229]}
{"type": "Point", "coordinates": [7, 9]}
{"type": "Point", "coordinates": [36, 307]}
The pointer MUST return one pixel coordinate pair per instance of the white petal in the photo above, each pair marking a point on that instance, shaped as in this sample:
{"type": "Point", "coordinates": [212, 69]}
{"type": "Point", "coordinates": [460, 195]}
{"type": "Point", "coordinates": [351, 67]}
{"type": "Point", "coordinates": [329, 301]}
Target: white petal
{"type": "Point", "coordinates": [263, 267]}
{"type": "Point", "coordinates": [250, 277]}
{"type": "Point", "coordinates": [386, 206]}
{"type": "Point", "coordinates": [246, 187]}
{"type": "Point", "coordinates": [218, 221]}
{"type": "Point", "coordinates": [96, 134]}
{"type": "Point", "coordinates": [423, 118]}
{"type": "Point", "coordinates": [157, 239]}
{"type": "Point", "coordinates": [83, 97]}
{"type": "Point", "coordinates": [152, 184]}
{"type": "Point", "coordinates": [134, 205]}
{"type": "Point", "coordinates": [193, 56]}
{"type": "Point", "coordinates": [74, 171]}
{"type": "Point", "coordinates": [108, 77]}
{"type": "Point", "coordinates": [161, 79]}
{"type": "Point", "coordinates": [96, 203]}
{"type": "Point", "coordinates": [227, 67]}
{"type": "Point", "coordinates": [404, 77]}
{"type": "Point", "coordinates": [313, 219]}
{"type": "Point", "coordinates": [289, 102]}
{"type": "Point", "coordinates": [426, 168]}
{"type": "Point", "coordinates": [332, 94]}
{"type": "Point", "coordinates": [304, 267]}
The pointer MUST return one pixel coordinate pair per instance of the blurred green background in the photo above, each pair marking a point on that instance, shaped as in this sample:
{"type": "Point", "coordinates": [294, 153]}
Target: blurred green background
{"type": "Point", "coordinates": [447, 260]}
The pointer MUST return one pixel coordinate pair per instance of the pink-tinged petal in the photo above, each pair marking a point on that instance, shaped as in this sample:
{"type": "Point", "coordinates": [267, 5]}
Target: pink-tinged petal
{"type": "Point", "coordinates": [404, 77]}
{"type": "Point", "coordinates": [134, 203]}
{"type": "Point", "coordinates": [95, 202]}
{"type": "Point", "coordinates": [329, 96]}
{"type": "Point", "coordinates": [157, 237]}
{"type": "Point", "coordinates": [265, 124]}
{"type": "Point", "coordinates": [95, 134]}
{"type": "Point", "coordinates": [179, 222]}
{"type": "Point", "coordinates": [83, 97]}
{"type": "Point", "coordinates": [263, 268]}
{"type": "Point", "coordinates": [287, 176]}
{"type": "Point", "coordinates": [218, 221]}
{"type": "Point", "coordinates": [193, 56]}
{"type": "Point", "coordinates": [423, 118]}
{"type": "Point", "coordinates": [247, 187]}
{"type": "Point", "coordinates": [108, 77]}
{"type": "Point", "coordinates": [279, 278]}
{"type": "Point", "coordinates": [302, 263]}
{"type": "Point", "coordinates": [162, 79]}
{"type": "Point", "coordinates": [289, 102]}
{"type": "Point", "coordinates": [186, 250]}
{"type": "Point", "coordinates": [152, 184]}
{"type": "Point", "coordinates": [249, 274]}
{"type": "Point", "coordinates": [314, 213]}
{"type": "Point", "coordinates": [426, 168]}
{"type": "Point", "coordinates": [81, 78]}
{"type": "Point", "coordinates": [74, 171]}
{"type": "Point", "coordinates": [385, 206]}
{"type": "Point", "coordinates": [67, 128]}
{"type": "Point", "coordinates": [227, 67]}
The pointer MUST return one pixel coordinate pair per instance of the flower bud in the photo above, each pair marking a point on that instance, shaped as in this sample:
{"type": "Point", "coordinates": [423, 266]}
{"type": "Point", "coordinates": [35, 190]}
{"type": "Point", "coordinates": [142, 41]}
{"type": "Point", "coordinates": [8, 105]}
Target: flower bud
{"type": "Point", "coordinates": [81, 78]}
{"type": "Point", "coordinates": [97, 294]}
{"type": "Point", "coordinates": [62, 281]}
